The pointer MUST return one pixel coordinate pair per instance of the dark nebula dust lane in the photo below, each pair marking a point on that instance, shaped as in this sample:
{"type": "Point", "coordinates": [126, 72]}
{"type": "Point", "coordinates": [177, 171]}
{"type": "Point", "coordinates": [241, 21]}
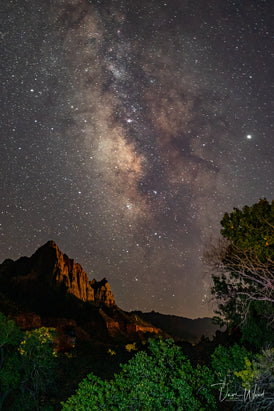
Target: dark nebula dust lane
{"type": "Point", "coordinates": [128, 128]}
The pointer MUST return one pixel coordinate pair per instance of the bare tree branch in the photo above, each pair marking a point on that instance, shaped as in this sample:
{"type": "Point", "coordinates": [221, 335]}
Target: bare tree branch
{"type": "Point", "coordinates": [245, 276]}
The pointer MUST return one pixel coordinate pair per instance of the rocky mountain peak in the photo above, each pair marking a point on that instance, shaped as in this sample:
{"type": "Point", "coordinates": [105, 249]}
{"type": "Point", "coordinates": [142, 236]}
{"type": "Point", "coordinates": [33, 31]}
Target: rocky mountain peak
{"type": "Point", "coordinates": [50, 266]}
{"type": "Point", "coordinates": [34, 291]}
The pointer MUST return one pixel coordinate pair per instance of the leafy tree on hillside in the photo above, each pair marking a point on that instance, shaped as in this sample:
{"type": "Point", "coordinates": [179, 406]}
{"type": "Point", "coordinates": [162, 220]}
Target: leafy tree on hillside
{"type": "Point", "coordinates": [27, 365]}
{"type": "Point", "coordinates": [243, 266]}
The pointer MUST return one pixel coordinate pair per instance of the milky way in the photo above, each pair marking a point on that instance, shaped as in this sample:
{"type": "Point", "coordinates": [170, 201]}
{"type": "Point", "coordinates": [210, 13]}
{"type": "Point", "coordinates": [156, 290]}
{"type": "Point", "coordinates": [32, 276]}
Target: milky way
{"type": "Point", "coordinates": [128, 128]}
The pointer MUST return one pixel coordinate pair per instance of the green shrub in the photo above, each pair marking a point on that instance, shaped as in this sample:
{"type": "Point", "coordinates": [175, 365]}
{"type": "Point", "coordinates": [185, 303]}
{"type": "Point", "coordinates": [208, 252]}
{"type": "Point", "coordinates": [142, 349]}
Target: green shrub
{"type": "Point", "coordinates": [258, 381]}
{"type": "Point", "coordinates": [162, 379]}
{"type": "Point", "coordinates": [27, 365]}
{"type": "Point", "coordinates": [228, 361]}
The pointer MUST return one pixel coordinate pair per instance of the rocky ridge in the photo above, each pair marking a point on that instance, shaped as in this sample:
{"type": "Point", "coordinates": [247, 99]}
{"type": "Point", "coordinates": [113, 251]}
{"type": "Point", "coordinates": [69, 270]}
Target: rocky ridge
{"type": "Point", "coordinates": [50, 289]}
{"type": "Point", "coordinates": [49, 265]}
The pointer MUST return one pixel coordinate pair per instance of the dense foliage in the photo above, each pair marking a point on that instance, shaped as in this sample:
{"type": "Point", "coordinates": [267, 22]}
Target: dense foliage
{"type": "Point", "coordinates": [159, 376]}
{"type": "Point", "coordinates": [226, 362]}
{"type": "Point", "coordinates": [245, 379]}
{"type": "Point", "coordinates": [251, 228]}
{"type": "Point", "coordinates": [244, 272]}
{"type": "Point", "coordinates": [161, 379]}
{"type": "Point", "coordinates": [27, 365]}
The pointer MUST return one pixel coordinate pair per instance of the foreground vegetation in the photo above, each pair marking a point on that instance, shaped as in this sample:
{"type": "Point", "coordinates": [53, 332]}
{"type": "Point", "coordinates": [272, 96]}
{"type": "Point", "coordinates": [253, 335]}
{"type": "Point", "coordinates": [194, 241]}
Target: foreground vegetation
{"type": "Point", "coordinates": [243, 272]}
{"type": "Point", "coordinates": [27, 365]}
{"type": "Point", "coordinates": [164, 379]}
{"type": "Point", "coordinates": [159, 376]}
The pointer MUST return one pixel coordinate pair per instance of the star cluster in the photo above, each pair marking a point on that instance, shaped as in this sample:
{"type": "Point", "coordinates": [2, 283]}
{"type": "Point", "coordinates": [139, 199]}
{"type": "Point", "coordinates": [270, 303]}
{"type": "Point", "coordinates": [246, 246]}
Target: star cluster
{"type": "Point", "coordinates": [128, 128]}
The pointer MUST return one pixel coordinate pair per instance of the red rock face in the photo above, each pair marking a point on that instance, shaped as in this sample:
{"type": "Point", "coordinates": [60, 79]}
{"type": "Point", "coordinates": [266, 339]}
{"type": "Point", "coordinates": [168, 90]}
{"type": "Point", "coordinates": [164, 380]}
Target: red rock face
{"type": "Point", "coordinates": [47, 270]}
{"type": "Point", "coordinates": [56, 269]}
{"type": "Point", "coordinates": [136, 328]}
{"type": "Point", "coordinates": [62, 271]}
{"type": "Point", "coordinates": [102, 292]}
{"type": "Point", "coordinates": [27, 321]}
{"type": "Point", "coordinates": [113, 326]}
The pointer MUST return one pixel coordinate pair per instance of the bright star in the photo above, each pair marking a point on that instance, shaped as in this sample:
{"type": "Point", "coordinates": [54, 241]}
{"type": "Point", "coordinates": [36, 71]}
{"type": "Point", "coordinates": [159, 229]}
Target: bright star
{"type": "Point", "coordinates": [249, 136]}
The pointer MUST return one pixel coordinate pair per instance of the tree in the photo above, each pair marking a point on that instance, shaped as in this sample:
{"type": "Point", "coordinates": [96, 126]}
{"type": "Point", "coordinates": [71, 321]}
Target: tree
{"type": "Point", "coordinates": [162, 379]}
{"type": "Point", "coordinates": [249, 376]}
{"type": "Point", "coordinates": [10, 337]}
{"type": "Point", "coordinates": [252, 228]}
{"type": "Point", "coordinates": [227, 361]}
{"type": "Point", "coordinates": [243, 269]}
{"type": "Point", "coordinates": [27, 365]}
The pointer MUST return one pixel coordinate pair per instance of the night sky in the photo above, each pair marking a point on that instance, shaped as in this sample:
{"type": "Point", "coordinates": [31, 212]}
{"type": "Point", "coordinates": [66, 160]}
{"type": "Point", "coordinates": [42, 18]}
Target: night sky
{"type": "Point", "coordinates": [128, 128]}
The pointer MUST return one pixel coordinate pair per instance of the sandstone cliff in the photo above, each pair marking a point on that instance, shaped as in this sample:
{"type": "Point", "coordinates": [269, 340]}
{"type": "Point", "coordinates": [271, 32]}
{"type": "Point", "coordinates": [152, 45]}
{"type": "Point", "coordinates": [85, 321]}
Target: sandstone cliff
{"type": "Point", "coordinates": [36, 290]}
{"type": "Point", "coordinates": [102, 292]}
{"type": "Point", "coordinates": [50, 266]}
